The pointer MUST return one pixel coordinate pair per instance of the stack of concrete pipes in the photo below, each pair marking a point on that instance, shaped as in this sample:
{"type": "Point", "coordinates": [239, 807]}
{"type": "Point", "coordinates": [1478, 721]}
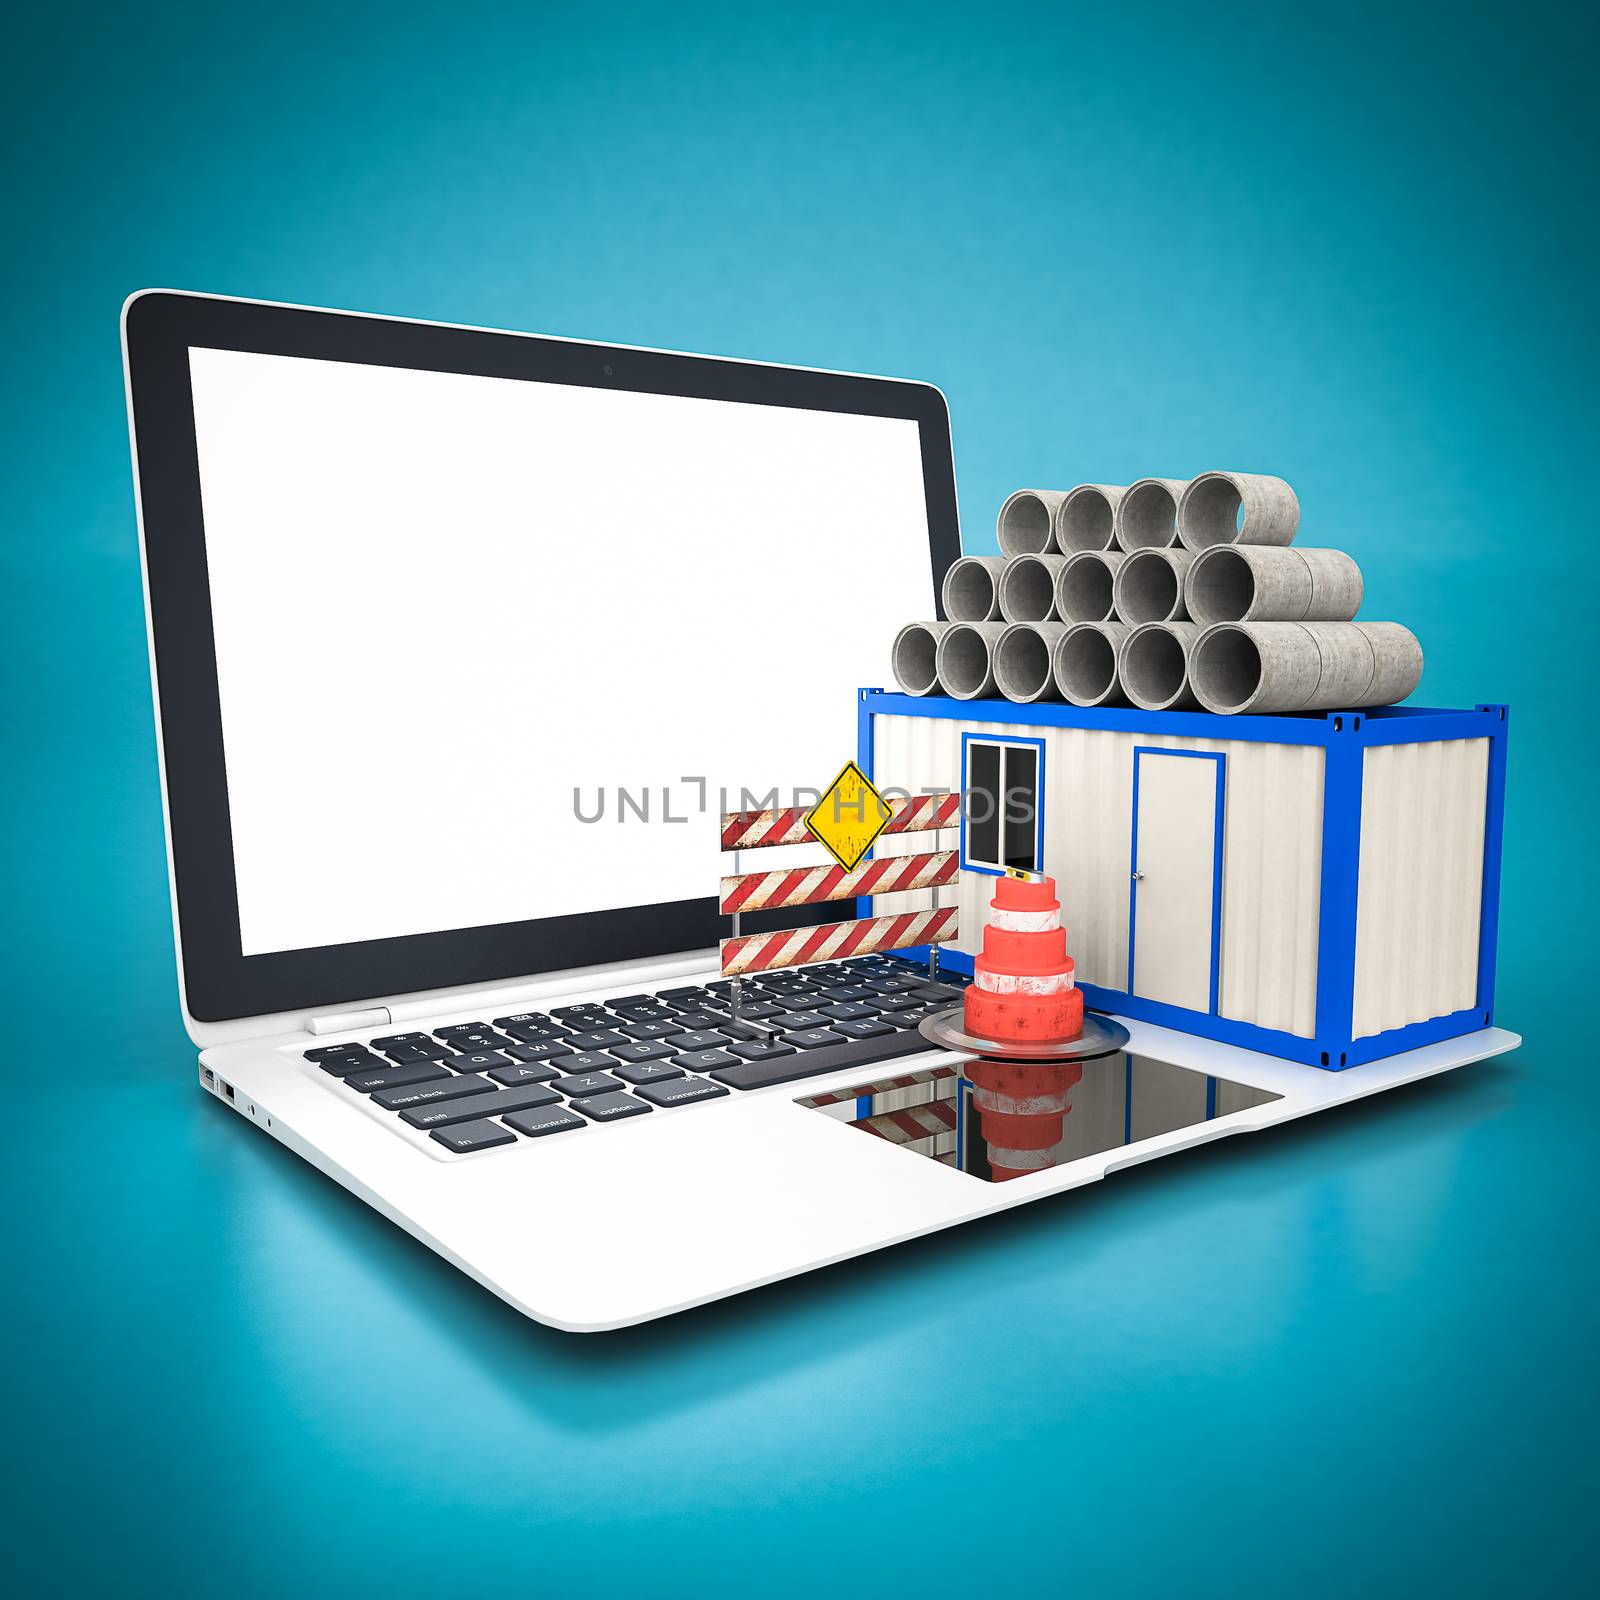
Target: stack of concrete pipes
{"type": "Point", "coordinates": [1167, 594]}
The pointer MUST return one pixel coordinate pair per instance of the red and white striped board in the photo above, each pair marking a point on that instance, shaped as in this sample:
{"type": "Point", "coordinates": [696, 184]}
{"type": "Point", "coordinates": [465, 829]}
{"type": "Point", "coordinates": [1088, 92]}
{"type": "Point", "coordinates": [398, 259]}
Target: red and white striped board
{"type": "Point", "coordinates": [928, 1082]}
{"type": "Point", "coordinates": [809, 886]}
{"type": "Point", "coordinates": [793, 947]}
{"type": "Point", "coordinates": [918, 1125]}
{"type": "Point", "coordinates": [753, 830]}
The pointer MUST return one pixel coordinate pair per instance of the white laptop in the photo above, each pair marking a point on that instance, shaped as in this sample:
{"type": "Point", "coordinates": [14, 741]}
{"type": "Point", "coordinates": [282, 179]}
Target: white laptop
{"type": "Point", "coordinates": [463, 641]}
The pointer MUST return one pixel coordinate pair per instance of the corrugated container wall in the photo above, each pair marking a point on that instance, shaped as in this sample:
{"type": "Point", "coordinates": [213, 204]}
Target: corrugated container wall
{"type": "Point", "coordinates": [1419, 905]}
{"type": "Point", "coordinates": [1271, 858]}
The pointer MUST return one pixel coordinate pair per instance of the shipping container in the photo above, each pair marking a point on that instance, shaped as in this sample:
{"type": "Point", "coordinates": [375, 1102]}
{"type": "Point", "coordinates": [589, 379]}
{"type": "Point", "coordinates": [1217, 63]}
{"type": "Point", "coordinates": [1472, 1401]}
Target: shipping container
{"type": "Point", "coordinates": [1321, 888]}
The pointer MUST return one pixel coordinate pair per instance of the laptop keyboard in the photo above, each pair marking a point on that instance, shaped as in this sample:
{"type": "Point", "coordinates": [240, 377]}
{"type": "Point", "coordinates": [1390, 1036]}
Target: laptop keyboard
{"type": "Point", "coordinates": [478, 1085]}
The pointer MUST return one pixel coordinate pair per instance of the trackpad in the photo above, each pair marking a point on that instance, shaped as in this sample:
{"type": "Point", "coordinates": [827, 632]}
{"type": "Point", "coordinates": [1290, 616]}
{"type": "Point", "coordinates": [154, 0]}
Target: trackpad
{"type": "Point", "coordinates": [1031, 1122]}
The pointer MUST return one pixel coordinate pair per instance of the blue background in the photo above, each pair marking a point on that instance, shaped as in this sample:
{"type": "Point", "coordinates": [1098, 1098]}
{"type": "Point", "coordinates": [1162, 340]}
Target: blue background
{"type": "Point", "coordinates": [1353, 246]}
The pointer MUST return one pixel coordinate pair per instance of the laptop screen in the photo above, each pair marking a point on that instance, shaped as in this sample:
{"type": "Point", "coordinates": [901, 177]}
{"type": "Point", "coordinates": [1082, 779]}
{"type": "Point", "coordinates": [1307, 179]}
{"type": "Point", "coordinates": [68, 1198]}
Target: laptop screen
{"type": "Point", "coordinates": [491, 649]}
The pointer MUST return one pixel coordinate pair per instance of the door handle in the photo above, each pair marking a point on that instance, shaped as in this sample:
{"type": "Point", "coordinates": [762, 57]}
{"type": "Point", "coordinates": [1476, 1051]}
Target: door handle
{"type": "Point", "coordinates": [1138, 877]}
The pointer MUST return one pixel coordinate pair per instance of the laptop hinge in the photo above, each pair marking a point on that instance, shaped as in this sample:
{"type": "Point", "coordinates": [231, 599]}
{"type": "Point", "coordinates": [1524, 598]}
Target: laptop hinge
{"type": "Point", "coordinates": [349, 1021]}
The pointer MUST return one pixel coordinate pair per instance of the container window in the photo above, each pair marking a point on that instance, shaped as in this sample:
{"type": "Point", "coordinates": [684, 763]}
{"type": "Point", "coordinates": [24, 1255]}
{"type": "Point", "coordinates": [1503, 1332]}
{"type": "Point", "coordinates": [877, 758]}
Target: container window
{"type": "Point", "coordinates": [1002, 793]}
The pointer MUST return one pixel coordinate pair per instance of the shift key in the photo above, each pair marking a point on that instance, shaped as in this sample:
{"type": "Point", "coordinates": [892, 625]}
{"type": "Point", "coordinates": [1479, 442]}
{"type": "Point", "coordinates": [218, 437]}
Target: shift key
{"type": "Point", "coordinates": [472, 1106]}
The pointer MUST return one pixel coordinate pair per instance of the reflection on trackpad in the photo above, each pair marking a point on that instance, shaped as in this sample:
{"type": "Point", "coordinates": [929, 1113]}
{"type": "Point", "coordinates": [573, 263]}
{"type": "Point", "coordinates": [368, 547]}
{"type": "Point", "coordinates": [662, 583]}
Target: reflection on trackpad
{"type": "Point", "coordinates": [1093, 1107]}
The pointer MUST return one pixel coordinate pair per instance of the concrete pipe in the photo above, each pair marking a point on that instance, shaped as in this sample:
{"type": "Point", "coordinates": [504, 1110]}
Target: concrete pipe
{"type": "Point", "coordinates": [1086, 586]}
{"type": "Point", "coordinates": [1236, 508]}
{"type": "Point", "coordinates": [915, 656]}
{"type": "Point", "coordinates": [1396, 661]}
{"type": "Point", "coordinates": [1026, 524]}
{"type": "Point", "coordinates": [1022, 657]}
{"type": "Point", "coordinates": [966, 658]}
{"type": "Point", "coordinates": [1150, 586]}
{"type": "Point", "coordinates": [1265, 667]}
{"type": "Point", "coordinates": [1257, 583]}
{"type": "Point", "coordinates": [1147, 515]}
{"type": "Point", "coordinates": [971, 589]}
{"type": "Point", "coordinates": [1084, 661]}
{"type": "Point", "coordinates": [1027, 589]}
{"type": "Point", "coordinates": [1153, 665]}
{"type": "Point", "coordinates": [1086, 518]}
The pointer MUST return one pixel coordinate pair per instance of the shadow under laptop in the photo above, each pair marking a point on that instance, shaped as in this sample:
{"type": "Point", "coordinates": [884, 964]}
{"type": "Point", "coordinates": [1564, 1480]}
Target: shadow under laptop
{"type": "Point", "coordinates": [838, 1322]}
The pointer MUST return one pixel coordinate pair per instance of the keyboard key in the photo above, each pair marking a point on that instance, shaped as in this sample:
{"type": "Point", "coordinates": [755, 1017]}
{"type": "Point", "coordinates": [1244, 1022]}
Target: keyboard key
{"type": "Point", "coordinates": [936, 991]}
{"type": "Point", "coordinates": [333, 1052]}
{"type": "Point", "coordinates": [423, 1094]}
{"type": "Point", "coordinates": [647, 1072]}
{"type": "Point", "coordinates": [610, 1107]}
{"type": "Point", "coordinates": [689, 1021]}
{"type": "Point", "coordinates": [474, 1040]}
{"type": "Point", "coordinates": [523, 1019]}
{"type": "Point", "coordinates": [680, 1092]}
{"type": "Point", "coordinates": [638, 1050]}
{"type": "Point", "coordinates": [650, 1030]}
{"type": "Point", "coordinates": [586, 1083]}
{"type": "Point", "coordinates": [870, 1029]}
{"type": "Point", "coordinates": [395, 1077]}
{"type": "Point", "coordinates": [472, 1136]}
{"type": "Point", "coordinates": [758, 1011]}
{"type": "Point", "coordinates": [840, 993]}
{"type": "Point", "coordinates": [549, 1119]}
{"type": "Point", "coordinates": [903, 1019]}
{"type": "Point", "coordinates": [798, 1021]}
{"type": "Point", "coordinates": [704, 1060]}
{"type": "Point", "coordinates": [431, 1050]}
{"type": "Point", "coordinates": [477, 1061]}
{"type": "Point", "coordinates": [587, 1061]}
{"type": "Point", "coordinates": [400, 1038]}
{"type": "Point", "coordinates": [811, 1063]}
{"type": "Point", "coordinates": [536, 1052]}
{"type": "Point", "coordinates": [701, 1039]}
{"type": "Point", "coordinates": [849, 1012]}
{"type": "Point", "coordinates": [694, 992]}
{"type": "Point", "coordinates": [530, 1072]}
{"type": "Point", "coordinates": [588, 1008]}
{"type": "Point", "coordinates": [646, 1014]}
{"type": "Point", "coordinates": [530, 1033]}
{"type": "Point", "coordinates": [495, 1104]}
{"type": "Point", "coordinates": [623, 1000]}
{"type": "Point", "coordinates": [343, 1066]}
{"type": "Point", "coordinates": [813, 1038]}
{"type": "Point", "coordinates": [762, 1051]}
{"type": "Point", "coordinates": [897, 1002]}
{"type": "Point", "coordinates": [740, 1030]}
{"type": "Point", "coordinates": [451, 1029]}
{"type": "Point", "coordinates": [599, 1039]}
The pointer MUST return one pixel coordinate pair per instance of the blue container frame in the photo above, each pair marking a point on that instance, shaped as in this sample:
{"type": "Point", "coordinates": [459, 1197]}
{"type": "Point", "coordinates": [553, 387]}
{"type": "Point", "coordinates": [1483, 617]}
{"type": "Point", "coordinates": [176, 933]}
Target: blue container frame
{"type": "Point", "coordinates": [1344, 737]}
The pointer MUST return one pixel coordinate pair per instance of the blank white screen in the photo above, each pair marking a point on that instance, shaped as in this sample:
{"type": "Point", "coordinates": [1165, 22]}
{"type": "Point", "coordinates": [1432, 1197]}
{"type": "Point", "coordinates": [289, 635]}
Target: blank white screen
{"type": "Point", "coordinates": [443, 602]}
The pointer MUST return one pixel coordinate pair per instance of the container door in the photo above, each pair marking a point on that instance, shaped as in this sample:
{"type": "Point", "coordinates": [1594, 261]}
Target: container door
{"type": "Point", "coordinates": [1175, 900]}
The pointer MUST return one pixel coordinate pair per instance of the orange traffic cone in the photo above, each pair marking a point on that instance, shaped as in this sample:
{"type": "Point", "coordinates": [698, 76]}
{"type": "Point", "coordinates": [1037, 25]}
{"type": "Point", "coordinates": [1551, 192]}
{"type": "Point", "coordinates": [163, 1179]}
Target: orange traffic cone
{"type": "Point", "coordinates": [1023, 993]}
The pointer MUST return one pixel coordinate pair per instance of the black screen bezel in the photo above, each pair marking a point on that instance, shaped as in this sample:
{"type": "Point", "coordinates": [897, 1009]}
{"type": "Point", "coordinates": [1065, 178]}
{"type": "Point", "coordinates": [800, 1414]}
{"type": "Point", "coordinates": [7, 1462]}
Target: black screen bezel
{"type": "Point", "coordinates": [159, 329]}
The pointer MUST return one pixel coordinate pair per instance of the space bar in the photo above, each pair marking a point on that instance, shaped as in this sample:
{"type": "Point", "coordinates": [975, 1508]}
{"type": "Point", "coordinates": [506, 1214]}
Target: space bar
{"type": "Point", "coordinates": [830, 1058]}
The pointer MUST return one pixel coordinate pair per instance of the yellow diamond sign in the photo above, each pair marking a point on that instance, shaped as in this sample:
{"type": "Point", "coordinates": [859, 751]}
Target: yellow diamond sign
{"type": "Point", "coordinates": [849, 816]}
